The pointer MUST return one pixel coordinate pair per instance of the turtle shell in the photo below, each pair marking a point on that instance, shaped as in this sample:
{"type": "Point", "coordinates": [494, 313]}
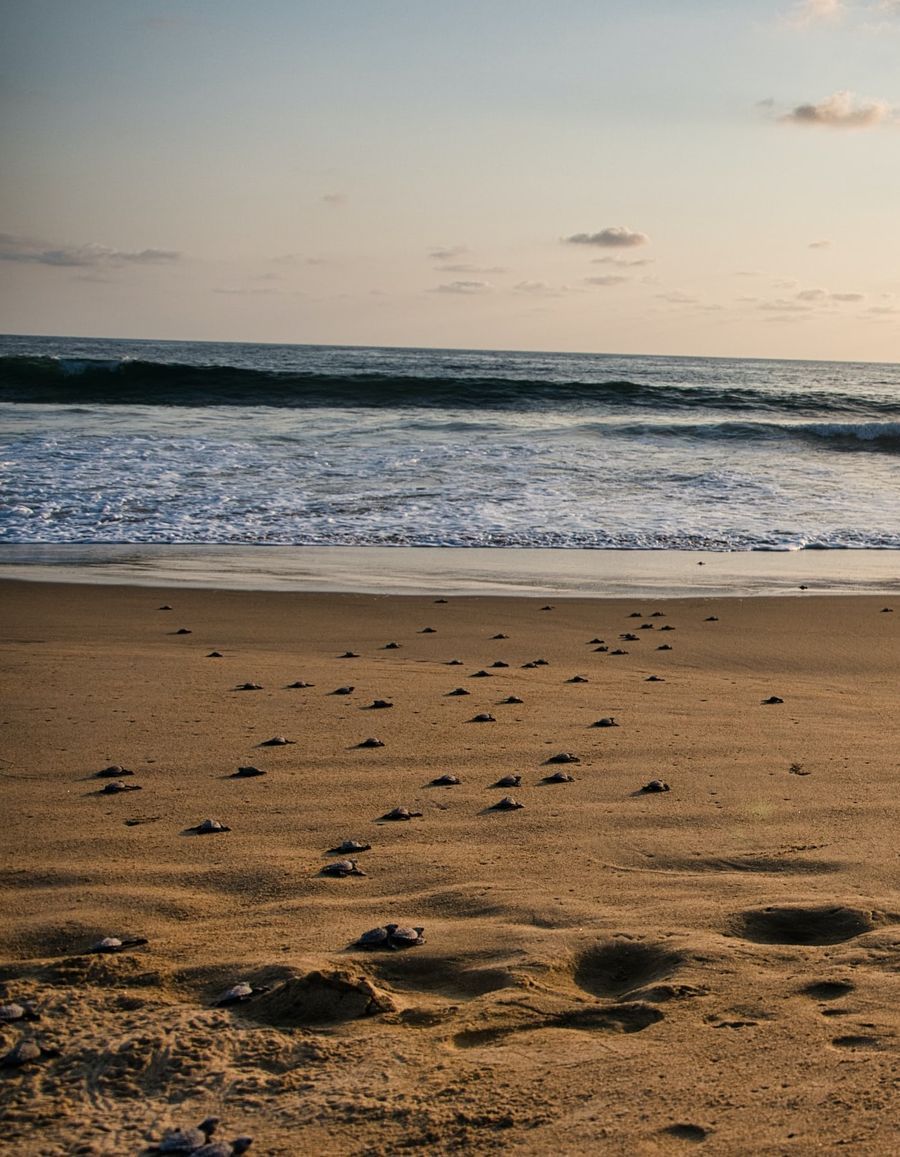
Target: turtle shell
{"type": "Point", "coordinates": [507, 804]}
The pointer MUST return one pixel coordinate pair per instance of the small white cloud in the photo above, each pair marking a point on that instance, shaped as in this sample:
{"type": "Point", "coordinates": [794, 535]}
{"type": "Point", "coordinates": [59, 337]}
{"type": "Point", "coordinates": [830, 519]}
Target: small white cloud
{"type": "Point", "coordinates": [622, 262]}
{"type": "Point", "coordinates": [613, 237]}
{"type": "Point", "coordinates": [447, 252]}
{"type": "Point", "coordinates": [678, 297]}
{"type": "Point", "coordinates": [841, 110]}
{"type": "Point", "coordinates": [812, 295]}
{"type": "Point", "coordinates": [848, 297]}
{"type": "Point", "coordinates": [27, 250]}
{"type": "Point", "coordinates": [463, 268]}
{"type": "Point", "coordinates": [606, 279]}
{"type": "Point", "coordinates": [808, 12]}
{"type": "Point", "coordinates": [464, 287]}
{"type": "Point", "coordinates": [823, 244]}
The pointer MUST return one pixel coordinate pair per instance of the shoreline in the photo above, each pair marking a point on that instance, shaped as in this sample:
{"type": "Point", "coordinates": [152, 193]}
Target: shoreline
{"type": "Point", "coordinates": [457, 571]}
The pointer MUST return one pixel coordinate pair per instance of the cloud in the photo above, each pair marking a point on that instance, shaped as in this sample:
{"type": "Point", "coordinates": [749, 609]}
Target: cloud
{"type": "Point", "coordinates": [621, 261]}
{"type": "Point", "coordinates": [471, 269]}
{"type": "Point", "coordinates": [334, 199]}
{"type": "Point", "coordinates": [606, 279]}
{"type": "Point", "coordinates": [464, 287]}
{"type": "Point", "coordinates": [678, 297]}
{"type": "Point", "coordinates": [92, 256]}
{"type": "Point", "coordinates": [613, 237]}
{"type": "Point", "coordinates": [841, 110]}
{"type": "Point", "coordinates": [447, 253]}
{"type": "Point", "coordinates": [823, 295]}
{"type": "Point", "coordinates": [807, 12]}
{"type": "Point", "coordinates": [848, 297]}
{"type": "Point", "coordinates": [542, 289]}
{"type": "Point", "coordinates": [819, 245]}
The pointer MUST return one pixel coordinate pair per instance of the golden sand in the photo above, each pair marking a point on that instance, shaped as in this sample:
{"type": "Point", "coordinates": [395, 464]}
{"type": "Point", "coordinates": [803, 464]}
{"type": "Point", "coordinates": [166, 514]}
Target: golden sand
{"type": "Point", "coordinates": [713, 968]}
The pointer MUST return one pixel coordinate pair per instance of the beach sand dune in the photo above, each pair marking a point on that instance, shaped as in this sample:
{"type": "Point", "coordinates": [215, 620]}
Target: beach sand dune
{"type": "Point", "coordinates": [604, 969]}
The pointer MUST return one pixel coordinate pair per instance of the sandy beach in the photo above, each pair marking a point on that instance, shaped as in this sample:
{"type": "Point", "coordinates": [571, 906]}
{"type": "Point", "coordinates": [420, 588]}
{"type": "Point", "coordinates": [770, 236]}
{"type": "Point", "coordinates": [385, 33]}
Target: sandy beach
{"type": "Point", "coordinates": [712, 967]}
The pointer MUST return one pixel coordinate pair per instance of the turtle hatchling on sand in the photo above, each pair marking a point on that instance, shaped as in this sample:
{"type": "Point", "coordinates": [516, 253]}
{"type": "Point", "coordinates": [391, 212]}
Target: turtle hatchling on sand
{"type": "Point", "coordinates": [342, 868]}
{"type": "Point", "coordinates": [577, 679]}
{"type": "Point", "coordinates": [350, 846]}
{"type": "Point", "coordinates": [249, 687]}
{"type": "Point", "coordinates": [380, 704]}
{"type": "Point", "coordinates": [239, 993]}
{"type": "Point", "coordinates": [400, 813]}
{"type": "Point", "coordinates": [18, 1010]}
{"type": "Point", "coordinates": [350, 655]}
{"type": "Point", "coordinates": [116, 786]}
{"type": "Point", "coordinates": [606, 721]}
{"type": "Point", "coordinates": [445, 781]}
{"type": "Point", "coordinates": [560, 777]}
{"type": "Point", "coordinates": [564, 757]}
{"type": "Point", "coordinates": [188, 1140]}
{"type": "Point", "coordinates": [773, 699]}
{"type": "Point", "coordinates": [209, 828]}
{"type": "Point", "coordinates": [512, 699]}
{"type": "Point", "coordinates": [507, 804]}
{"type": "Point", "coordinates": [371, 742]}
{"type": "Point", "coordinates": [300, 683]}
{"type": "Point", "coordinates": [391, 936]}
{"type": "Point", "coordinates": [664, 647]}
{"type": "Point", "coordinates": [655, 785]}
{"type": "Point", "coordinates": [508, 781]}
{"type": "Point", "coordinates": [26, 1052]}
{"type": "Point", "coordinates": [343, 690]}
{"type": "Point", "coordinates": [483, 717]}
{"type": "Point", "coordinates": [114, 771]}
{"type": "Point", "coordinates": [111, 944]}
{"type": "Point", "coordinates": [277, 741]}
{"type": "Point", "coordinates": [248, 772]}
{"type": "Point", "coordinates": [654, 679]}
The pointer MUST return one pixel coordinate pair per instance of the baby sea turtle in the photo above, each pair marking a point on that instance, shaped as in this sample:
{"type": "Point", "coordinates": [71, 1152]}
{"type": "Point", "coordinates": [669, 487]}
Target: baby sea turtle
{"type": "Point", "coordinates": [506, 804]}
{"type": "Point", "coordinates": [165, 607]}
{"type": "Point", "coordinates": [655, 785]}
{"type": "Point", "coordinates": [483, 717]}
{"type": "Point", "coordinates": [636, 615]}
{"type": "Point", "coordinates": [887, 610]}
{"type": "Point", "coordinates": [440, 600]}
{"type": "Point", "coordinates": [711, 619]}
{"type": "Point", "coordinates": [654, 679]}
{"type": "Point", "coordinates": [512, 699]}
{"type": "Point", "coordinates": [300, 684]}
{"type": "Point", "coordinates": [618, 651]}
{"type": "Point", "coordinates": [773, 699]}
{"type": "Point", "coordinates": [117, 786]}
{"type": "Point", "coordinates": [215, 655]}
{"type": "Point", "coordinates": [350, 846]}
{"type": "Point", "coordinates": [347, 690]}
{"type": "Point", "coordinates": [110, 945]}
{"type": "Point", "coordinates": [606, 721]}
{"type": "Point", "coordinates": [18, 1010]}
{"type": "Point", "coordinates": [239, 993]}
{"type": "Point", "coordinates": [224, 1148]}
{"type": "Point", "coordinates": [563, 757]}
{"type": "Point", "coordinates": [249, 687]}
{"type": "Point", "coordinates": [183, 631]}
{"type": "Point", "coordinates": [499, 663]}
{"type": "Point", "coordinates": [428, 631]}
{"type": "Point", "coordinates": [349, 655]}
{"type": "Point", "coordinates": [591, 642]}
{"type": "Point", "coordinates": [445, 781]}
{"type": "Point", "coordinates": [578, 679]}
{"type": "Point", "coordinates": [277, 741]}
{"type": "Point", "coordinates": [188, 1140]}
{"type": "Point", "coordinates": [646, 627]}
{"type": "Point", "coordinates": [391, 647]}
{"type": "Point", "coordinates": [342, 868]}
{"type": "Point", "coordinates": [371, 742]}
{"type": "Point", "coordinates": [528, 666]}
{"type": "Point", "coordinates": [548, 608]}
{"type": "Point", "coordinates": [500, 636]}
{"type": "Point", "coordinates": [209, 828]}
{"type": "Point", "coordinates": [391, 936]}
{"type": "Point", "coordinates": [400, 813]}
{"type": "Point", "coordinates": [559, 777]}
{"type": "Point", "coordinates": [667, 627]}
{"type": "Point", "coordinates": [508, 781]}
{"type": "Point", "coordinates": [541, 662]}
{"type": "Point", "coordinates": [601, 650]}
{"type": "Point", "coordinates": [379, 704]}
{"type": "Point", "coordinates": [658, 615]}
{"type": "Point", "coordinates": [481, 675]}
{"type": "Point", "coordinates": [459, 691]}
{"type": "Point", "coordinates": [248, 772]}
{"type": "Point", "coordinates": [664, 647]}
{"type": "Point", "coordinates": [114, 771]}
{"type": "Point", "coordinates": [26, 1052]}
{"type": "Point", "coordinates": [629, 637]}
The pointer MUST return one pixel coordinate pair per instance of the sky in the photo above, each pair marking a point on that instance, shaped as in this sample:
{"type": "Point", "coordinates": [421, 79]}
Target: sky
{"type": "Point", "coordinates": [701, 178]}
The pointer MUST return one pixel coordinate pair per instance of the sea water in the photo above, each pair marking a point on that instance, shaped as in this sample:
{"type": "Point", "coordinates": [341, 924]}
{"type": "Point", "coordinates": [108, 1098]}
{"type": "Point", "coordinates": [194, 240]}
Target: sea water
{"type": "Point", "coordinates": [172, 442]}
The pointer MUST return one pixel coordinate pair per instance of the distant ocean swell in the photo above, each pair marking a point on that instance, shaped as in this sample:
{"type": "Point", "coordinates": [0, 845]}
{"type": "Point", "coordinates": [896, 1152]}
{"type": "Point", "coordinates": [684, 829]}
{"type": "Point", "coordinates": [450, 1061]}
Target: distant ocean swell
{"type": "Point", "coordinates": [85, 381]}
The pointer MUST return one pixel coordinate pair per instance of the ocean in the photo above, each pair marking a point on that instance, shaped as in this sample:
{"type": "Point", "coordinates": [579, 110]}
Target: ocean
{"type": "Point", "coordinates": [136, 442]}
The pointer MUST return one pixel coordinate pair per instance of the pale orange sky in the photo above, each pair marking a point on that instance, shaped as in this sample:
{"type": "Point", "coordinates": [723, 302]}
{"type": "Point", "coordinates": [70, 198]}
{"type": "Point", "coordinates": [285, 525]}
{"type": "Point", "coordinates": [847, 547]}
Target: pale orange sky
{"type": "Point", "coordinates": [696, 178]}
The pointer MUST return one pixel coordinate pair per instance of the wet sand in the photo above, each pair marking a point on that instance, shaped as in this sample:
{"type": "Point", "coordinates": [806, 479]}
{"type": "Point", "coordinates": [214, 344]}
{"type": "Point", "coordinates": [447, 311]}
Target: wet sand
{"type": "Point", "coordinates": [712, 968]}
